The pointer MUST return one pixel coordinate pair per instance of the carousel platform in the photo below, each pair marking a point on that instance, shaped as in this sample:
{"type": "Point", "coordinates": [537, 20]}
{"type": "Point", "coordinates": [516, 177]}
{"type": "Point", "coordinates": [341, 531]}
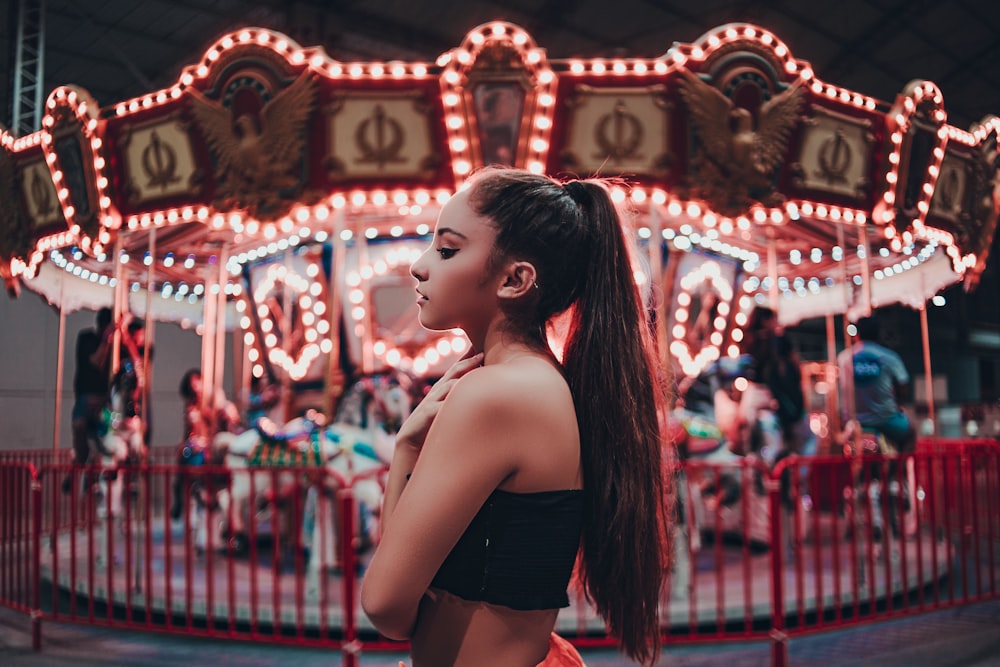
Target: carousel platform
{"type": "Point", "coordinates": [725, 584]}
{"type": "Point", "coordinates": [964, 637]}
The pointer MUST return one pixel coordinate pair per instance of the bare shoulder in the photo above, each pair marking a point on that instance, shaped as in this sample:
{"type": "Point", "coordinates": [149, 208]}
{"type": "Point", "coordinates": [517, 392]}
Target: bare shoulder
{"type": "Point", "coordinates": [522, 387]}
{"type": "Point", "coordinates": [520, 419]}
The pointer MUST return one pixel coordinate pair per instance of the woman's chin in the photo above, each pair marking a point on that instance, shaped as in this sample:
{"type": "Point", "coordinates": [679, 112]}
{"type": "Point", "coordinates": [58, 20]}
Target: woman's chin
{"type": "Point", "coordinates": [432, 324]}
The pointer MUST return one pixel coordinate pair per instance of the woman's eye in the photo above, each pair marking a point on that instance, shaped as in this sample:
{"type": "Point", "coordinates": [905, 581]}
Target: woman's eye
{"type": "Point", "coordinates": [447, 253]}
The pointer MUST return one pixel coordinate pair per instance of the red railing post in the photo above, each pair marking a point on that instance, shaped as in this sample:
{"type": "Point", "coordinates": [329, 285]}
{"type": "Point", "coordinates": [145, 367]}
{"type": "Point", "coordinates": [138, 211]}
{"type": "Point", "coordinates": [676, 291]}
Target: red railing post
{"type": "Point", "coordinates": [36, 570]}
{"type": "Point", "coordinates": [779, 638]}
{"type": "Point", "coordinates": [351, 647]}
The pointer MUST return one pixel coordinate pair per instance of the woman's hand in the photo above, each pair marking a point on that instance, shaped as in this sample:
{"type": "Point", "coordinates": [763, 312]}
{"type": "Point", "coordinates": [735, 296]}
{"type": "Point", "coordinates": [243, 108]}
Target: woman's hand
{"type": "Point", "coordinates": [414, 430]}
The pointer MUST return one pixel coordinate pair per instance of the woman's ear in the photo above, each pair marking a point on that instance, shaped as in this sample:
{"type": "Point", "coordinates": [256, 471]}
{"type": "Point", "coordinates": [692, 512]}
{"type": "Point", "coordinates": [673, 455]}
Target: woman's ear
{"type": "Point", "coordinates": [518, 280]}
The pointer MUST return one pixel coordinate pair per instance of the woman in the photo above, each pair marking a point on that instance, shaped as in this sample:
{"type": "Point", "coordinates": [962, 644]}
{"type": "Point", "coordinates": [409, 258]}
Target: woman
{"type": "Point", "coordinates": [514, 461]}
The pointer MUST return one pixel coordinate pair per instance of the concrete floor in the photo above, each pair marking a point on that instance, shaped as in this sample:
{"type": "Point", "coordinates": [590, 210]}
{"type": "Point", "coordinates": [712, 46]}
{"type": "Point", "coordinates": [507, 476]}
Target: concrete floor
{"type": "Point", "coordinates": [966, 636]}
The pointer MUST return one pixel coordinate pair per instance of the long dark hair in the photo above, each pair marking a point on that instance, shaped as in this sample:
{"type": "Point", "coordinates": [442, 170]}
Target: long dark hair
{"type": "Point", "coordinates": [573, 235]}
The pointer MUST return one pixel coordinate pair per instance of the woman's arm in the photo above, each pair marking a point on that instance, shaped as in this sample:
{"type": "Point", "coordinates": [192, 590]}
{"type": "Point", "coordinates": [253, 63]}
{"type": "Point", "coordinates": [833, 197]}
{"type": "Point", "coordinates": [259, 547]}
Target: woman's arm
{"type": "Point", "coordinates": [414, 430]}
{"type": "Point", "coordinates": [460, 464]}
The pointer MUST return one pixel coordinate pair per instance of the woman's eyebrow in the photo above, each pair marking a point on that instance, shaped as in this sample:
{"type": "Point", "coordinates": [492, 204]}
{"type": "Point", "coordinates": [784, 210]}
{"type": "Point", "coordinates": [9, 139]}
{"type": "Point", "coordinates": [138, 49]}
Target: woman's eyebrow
{"type": "Point", "coordinates": [448, 230]}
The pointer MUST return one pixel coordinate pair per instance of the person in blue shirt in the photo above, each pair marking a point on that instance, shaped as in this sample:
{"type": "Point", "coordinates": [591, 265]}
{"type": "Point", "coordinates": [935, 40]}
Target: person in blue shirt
{"type": "Point", "coordinates": [879, 378]}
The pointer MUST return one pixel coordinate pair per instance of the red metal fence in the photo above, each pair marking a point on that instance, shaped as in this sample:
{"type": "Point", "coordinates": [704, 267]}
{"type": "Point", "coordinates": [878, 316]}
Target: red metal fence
{"type": "Point", "coordinates": [277, 555]}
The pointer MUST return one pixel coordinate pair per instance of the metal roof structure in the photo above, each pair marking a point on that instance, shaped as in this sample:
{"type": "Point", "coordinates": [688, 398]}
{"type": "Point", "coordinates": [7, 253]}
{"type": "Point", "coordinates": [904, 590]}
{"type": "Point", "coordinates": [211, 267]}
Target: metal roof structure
{"type": "Point", "coordinates": [888, 85]}
{"type": "Point", "coordinates": [119, 49]}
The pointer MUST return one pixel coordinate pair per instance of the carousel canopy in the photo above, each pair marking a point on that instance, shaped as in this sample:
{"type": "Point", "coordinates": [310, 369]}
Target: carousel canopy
{"type": "Point", "coordinates": [269, 163]}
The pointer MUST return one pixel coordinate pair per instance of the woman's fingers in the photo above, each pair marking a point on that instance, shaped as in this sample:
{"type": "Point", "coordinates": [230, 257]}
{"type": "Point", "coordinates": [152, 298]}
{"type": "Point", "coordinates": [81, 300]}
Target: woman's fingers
{"type": "Point", "coordinates": [415, 427]}
{"type": "Point", "coordinates": [463, 366]}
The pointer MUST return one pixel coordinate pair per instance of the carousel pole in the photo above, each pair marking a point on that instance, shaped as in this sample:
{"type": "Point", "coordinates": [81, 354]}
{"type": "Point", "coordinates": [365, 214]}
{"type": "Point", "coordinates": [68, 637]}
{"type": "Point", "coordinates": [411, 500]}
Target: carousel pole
{"type": "Point", "coordinates": [846, 382]}
{"type": "Point", "coordinates": [864, 253]}
{"type": "Point", "coordinates": [147, 348]}
{"type": "Point", "coordinates": [367, 344]}
{"type": "Point", "coordinates": [60, 360]}
{"type": "Point", "coordinates": [772, 271]}
{"type": "Point", "coordinates": [117, 307]}
{"type": "Point", "coordinates": [242, 371]}
{"type": "Point", "coordinates": [928, 375]}
{"type": "Point", "coordinates": [657, 296]}
{"type": "Point", "coordinates": [334, 386]}
{"type": "Point", "coordinates": [220, 335]}
{"type": "Point", "coordinates": [147, 397]}
{"type": "Point", "coordinates": [286, 339]}
{"type": "Point", "coordinates": [833, 400]}
{"type": "Point", "coordinates": [208, 347]}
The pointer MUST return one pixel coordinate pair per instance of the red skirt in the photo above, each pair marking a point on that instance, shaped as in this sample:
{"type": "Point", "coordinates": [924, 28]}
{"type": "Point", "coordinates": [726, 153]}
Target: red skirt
{"type": "Point", "coordinates": [561, 654]}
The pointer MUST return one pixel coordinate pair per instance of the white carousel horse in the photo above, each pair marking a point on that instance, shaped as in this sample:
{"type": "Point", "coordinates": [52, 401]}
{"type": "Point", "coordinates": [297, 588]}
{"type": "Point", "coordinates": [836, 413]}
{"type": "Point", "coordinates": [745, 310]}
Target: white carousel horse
{"type": "Point", "coordinates": [352, 450]}
{"type": "Point", "coordinates": [122, 445]}
{"type": "Point", "coordinates": [367, 419]}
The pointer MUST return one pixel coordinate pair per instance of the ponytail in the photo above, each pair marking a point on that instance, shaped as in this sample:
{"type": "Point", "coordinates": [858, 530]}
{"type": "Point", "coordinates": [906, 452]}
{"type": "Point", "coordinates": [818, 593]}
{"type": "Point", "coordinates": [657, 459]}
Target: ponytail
{"type": "Point", "coordinates": [611, 370]}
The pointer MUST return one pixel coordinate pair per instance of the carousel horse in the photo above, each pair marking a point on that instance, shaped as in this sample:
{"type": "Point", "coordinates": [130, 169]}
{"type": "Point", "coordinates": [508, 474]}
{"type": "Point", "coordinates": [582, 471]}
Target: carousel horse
{"type": "Point", "coordinates": [350, 451]}
{"type": "Point", "coordinates": [376, 407]}
{"type": "Point", "coordinates": [120, 447]}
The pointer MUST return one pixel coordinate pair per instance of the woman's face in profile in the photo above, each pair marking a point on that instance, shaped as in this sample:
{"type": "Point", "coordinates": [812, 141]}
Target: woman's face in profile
{"type": "Point", "coordinates": [453, 290]}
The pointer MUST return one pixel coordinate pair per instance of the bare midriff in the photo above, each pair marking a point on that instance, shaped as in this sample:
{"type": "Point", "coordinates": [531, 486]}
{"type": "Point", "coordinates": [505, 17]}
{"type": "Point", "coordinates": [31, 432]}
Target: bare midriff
{"type": "Point", "coordinates": [457, 633]}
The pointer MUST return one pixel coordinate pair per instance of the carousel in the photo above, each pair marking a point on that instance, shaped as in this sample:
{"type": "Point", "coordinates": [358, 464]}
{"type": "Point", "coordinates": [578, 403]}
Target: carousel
{"type": "Point", "coordinates": [281, 195]}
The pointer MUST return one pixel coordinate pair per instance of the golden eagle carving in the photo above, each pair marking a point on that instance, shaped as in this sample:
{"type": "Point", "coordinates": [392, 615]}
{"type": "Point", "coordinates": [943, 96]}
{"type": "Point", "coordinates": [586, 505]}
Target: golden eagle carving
{"type": "Point", "coordinates": [258, 158]}
{"type": "Point", "coordinates": [736, 162]}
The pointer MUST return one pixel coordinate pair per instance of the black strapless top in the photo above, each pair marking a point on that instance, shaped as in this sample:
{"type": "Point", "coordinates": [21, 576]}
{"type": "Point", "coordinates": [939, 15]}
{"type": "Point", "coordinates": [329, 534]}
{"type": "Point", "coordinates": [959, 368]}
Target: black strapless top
{"type": "Point", "coordinates": [518, 551]}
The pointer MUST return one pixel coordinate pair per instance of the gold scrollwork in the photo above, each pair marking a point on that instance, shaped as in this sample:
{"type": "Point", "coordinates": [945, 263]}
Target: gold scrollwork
{"type": "Point", "coordinates": [159, 162]}
{"type": "Point", "coordinates": [835, 156]}
{"type": "Point", "coordinates": [625, 130]}
{"type": "Point", "coordinates": [388, 139]}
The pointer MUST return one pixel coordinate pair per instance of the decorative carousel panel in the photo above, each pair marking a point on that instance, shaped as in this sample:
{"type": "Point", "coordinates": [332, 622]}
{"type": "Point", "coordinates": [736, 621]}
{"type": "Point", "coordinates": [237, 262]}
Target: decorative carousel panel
{"type": "Point", "coordinates": [966, 200]}
{"type": "Point", "coordinates": [39, 193]}
{"type": "Point", "coordinates": [159, 161]}
{"type": "Point", "coordinates": [741, 118]}
{"type": "Point", "coordinates": [917, 139]}
{"type": "Point", "coordinates": [380, 135]}
{"type": "Point", "coordinates": [618, 130]}
{"type": "Point", "coordinates": [256, 124]}
{"type": "Point", "coordinates": [498, 95]}
{"type": "Point", "coordinates": [836, 154]}
{"type": "Point", "coordinates": [76, 166]}
{"type": "Point", "coordinates": [704, 289]}
{"type": "Point", "coordinates": [284, 320]}
{"type": "Point", "coordinates": [15, 240]}
{"type": "Point", "coordinates": [950, 193]}
{"type": "Point", "coordinates": [918, 157]}
{"type": "Point", "coordinates": [498, 106]}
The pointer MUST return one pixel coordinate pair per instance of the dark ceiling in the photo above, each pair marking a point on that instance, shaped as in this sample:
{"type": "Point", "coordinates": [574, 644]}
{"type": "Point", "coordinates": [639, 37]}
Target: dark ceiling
{"type": "Point", "coordinates": [118, 49]}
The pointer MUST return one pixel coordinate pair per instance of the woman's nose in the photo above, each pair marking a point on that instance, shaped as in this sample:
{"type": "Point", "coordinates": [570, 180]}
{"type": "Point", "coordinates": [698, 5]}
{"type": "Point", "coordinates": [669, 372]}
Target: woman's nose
{"type": "Point", "coordinates": [417, 268]}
